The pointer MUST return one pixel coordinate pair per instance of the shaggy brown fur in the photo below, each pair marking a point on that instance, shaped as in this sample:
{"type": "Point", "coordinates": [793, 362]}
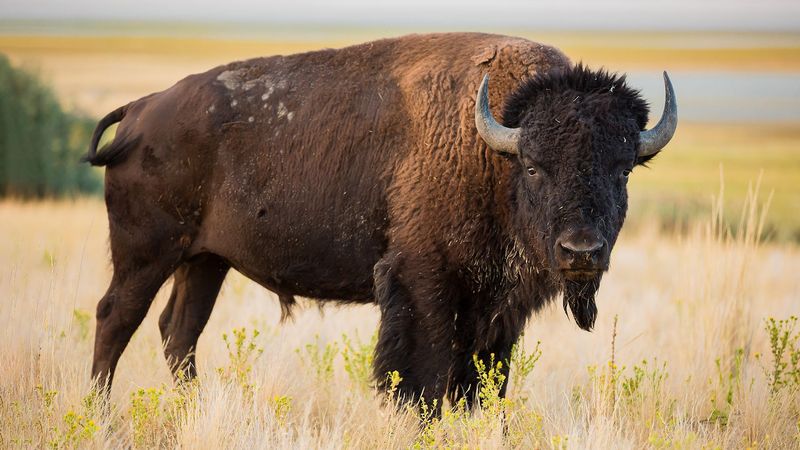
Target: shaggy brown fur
{"type": "Point", "coordinates": [357, 175]}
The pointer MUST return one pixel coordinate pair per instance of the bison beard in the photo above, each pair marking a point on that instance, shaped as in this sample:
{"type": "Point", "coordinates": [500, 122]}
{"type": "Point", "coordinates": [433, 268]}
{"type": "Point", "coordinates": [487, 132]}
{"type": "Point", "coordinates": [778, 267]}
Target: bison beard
{"type": "Point", "coordinates": [579, 295]}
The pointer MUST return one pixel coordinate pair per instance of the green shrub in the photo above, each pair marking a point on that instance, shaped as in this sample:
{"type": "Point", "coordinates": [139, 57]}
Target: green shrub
{"type": "Point", "coordinates": [784, 344]}
{"type": "Point", "coordinates": [40, 144]}
{"type": "Point", "coordinates": [242, 354]}
{"type": "Point", "coordinates": [522, 364]}
{"type": "Point", "coordinates": [146, 416]}
{"type": "Point", "coordinates": [729, 380]}
{"type": "Point", "coordinates": [358, 358]}
{"type": "Point", "coordinates": [320, 358]}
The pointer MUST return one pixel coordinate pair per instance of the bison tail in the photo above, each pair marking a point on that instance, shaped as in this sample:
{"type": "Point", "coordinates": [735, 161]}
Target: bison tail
{"type": "Point", "coordinates": [104, 157]}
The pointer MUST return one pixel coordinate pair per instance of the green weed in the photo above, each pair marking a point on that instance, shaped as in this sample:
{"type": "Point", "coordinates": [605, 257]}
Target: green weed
{"type": "Point", "coordinates": [243, 351]}
{"type": "Point", "coordinates": [522, 365]}
{"type": "Point", "coordinates": [728, 383]}
{"type": "Point", "coordinates": [82, 319]}
{"type": "Point", "coordinates": [77, 429]}
{"type": "Point", "coordinates": [490, 384]}
{"type": "Point", "coordinates": [46, 397]}
{"type": "Point", "coordinates": [559, 442]}
{"type": "Point", "coordinates": [281, 405]}
{"type": "Point", "coordinates": [146, 415]}
{"type": "Point", "coordinates": [358, 358]}
{"type": "Point", "coordinates": [784, 343]}
{"type": "Point", "coordinates": [428, 436]}
{"type": "Point", "coordinates": [320, 358]}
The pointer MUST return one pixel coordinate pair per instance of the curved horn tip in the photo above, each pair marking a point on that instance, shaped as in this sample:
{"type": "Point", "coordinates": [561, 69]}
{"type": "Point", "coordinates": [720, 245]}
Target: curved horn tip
{"type": "Point", "coordinates": [496, 136]}
{"type": "Point", "coordinates": [668, 84]}
{"type": "Point", "coordinates": [653, 140]}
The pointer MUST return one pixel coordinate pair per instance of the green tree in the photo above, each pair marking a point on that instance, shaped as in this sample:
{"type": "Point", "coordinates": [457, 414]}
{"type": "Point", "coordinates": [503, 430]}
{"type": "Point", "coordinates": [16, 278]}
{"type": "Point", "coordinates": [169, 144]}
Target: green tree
{"type": "Point", "coordinates": [40, 143]}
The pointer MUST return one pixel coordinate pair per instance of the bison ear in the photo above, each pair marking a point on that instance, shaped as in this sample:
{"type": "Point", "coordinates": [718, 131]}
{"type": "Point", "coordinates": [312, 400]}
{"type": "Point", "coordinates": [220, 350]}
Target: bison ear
{"type": "Point", "coordinates": [485, 55]}
{"type": "Point", "coordinates": [644, 160]}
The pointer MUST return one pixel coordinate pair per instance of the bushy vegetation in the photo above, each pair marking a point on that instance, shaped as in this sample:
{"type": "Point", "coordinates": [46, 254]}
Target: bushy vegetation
{"type": "Point", "coordinates": [40, 143]}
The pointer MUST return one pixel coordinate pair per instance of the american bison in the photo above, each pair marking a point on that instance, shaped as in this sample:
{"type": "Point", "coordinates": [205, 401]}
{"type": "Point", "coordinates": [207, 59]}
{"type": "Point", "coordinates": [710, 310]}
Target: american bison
{"type": "Point", "coordinates": [373, 174]}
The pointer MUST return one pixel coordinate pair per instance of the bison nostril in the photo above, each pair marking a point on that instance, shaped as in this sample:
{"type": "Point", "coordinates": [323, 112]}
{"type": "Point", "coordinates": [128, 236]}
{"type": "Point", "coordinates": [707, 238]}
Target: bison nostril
{"type": "Point", "coordinates": [580, 253]}
{"type": "Point", "coordinates": [582, 247]}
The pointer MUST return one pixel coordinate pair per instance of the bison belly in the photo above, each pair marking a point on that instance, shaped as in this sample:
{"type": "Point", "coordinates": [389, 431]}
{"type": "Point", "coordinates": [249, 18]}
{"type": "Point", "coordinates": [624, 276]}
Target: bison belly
{"type": "Point", "coordinates": [310, 245]}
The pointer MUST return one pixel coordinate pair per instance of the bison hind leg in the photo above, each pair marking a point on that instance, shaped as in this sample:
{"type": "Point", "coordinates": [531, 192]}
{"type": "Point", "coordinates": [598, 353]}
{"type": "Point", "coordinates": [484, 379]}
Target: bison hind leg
{"type": "Point", "coordinates": [121, 311]}
{"type": "Point", "coordinates": [196, 285]}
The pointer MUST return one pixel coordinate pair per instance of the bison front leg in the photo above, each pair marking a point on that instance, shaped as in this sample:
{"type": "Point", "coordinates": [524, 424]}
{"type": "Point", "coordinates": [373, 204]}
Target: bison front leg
{"type": "Point", "coordinates": [415, 336]}
{"type": "Point", "coordinates": [492, 348]}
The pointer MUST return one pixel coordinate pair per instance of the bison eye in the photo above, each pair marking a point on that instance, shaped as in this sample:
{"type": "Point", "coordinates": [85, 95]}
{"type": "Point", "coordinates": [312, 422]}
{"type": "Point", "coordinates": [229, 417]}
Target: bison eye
{"type": "Point", "coordinates": [626, 173]}
{"type": "Point", "coordinates": [531, 171]}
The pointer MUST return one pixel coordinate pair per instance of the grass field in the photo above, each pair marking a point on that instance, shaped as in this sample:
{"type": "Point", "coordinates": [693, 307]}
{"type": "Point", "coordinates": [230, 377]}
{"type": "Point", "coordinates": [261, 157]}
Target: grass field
{"type": "Point", "coordinates": [680, 357]}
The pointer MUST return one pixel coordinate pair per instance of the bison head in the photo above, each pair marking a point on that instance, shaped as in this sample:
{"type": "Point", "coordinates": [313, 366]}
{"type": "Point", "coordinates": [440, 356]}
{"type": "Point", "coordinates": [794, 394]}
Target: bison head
{"type": "Point", "coordinates": [574, 137]}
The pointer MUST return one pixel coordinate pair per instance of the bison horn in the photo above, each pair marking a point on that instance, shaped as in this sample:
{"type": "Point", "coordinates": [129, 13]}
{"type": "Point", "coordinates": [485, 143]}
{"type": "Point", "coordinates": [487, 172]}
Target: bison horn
{"type": "Point", "coordinates": [498, 137]}
{"type": "Point", "coordinates": [653, 140]}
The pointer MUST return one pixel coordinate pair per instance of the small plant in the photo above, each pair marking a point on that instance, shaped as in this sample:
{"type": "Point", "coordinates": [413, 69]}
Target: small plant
{"type": "Point", "coordinates": [394, 379]}
{"type": "Point", "coordinates": [82, 319]}
{"type": "Point", "coordinates": [522, 364]}
{"type": "Point", "coordinates": [49, 258]}
{"type": "Point", "coordinates": [320, 358]}
{"type": "Point", "coordinates": [784, 343]}
{"type": "Point", "coordinates": [632, 386]}
{"type": "Point", "coordinates": [621, 394]}
{"type": "Point", "coordinates": [242, 353]}
{"type": "Point", "coordinates": [46, 397]}
{"type": "Point", "coordinates": [431, 425]}
{"type": "Point", "coordinates": [525, 429]}
{"type": "Point", "coordinates": [145, 415]}
{"type": "Point", "coordinates": [358, 359]}
{"type": "Point", "coordinates": [606, 380]}
{"type": "Point", "coordinates": [559, 442]}
{"type": "Point", "coordinates": [729, 382]}
{"type": "Point", "coordinates": [490, 385]}
{"type": "Point", "coordinates": [78, 429]}
{"type": "Point", "coordinates": [281, 405]}
{"type": "Point", "coordinates": [181, 399]}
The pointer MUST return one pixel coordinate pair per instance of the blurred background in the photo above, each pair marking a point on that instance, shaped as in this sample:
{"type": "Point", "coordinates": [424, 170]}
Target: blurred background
{"type": "Point", "coordinates": [735, 65]}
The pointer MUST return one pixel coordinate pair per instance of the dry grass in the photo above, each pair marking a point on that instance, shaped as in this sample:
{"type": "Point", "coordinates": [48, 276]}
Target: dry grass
{"type": "Point", "coordinates": [692, 306]}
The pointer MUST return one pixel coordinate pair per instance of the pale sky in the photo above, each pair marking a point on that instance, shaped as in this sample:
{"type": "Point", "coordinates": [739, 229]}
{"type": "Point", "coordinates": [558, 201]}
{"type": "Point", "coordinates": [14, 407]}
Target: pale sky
{"type": "Point", "coordinates": [553, 14]}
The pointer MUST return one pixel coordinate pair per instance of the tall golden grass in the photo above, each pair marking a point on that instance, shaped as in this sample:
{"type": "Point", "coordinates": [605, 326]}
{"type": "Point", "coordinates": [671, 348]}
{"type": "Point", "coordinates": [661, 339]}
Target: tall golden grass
{"type": "Point", "coordinates": [680, 357]}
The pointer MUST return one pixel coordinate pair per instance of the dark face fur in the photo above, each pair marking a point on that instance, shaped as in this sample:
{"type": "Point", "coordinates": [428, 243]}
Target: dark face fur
{"type": "Point", "coordinates": [579, 137]}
